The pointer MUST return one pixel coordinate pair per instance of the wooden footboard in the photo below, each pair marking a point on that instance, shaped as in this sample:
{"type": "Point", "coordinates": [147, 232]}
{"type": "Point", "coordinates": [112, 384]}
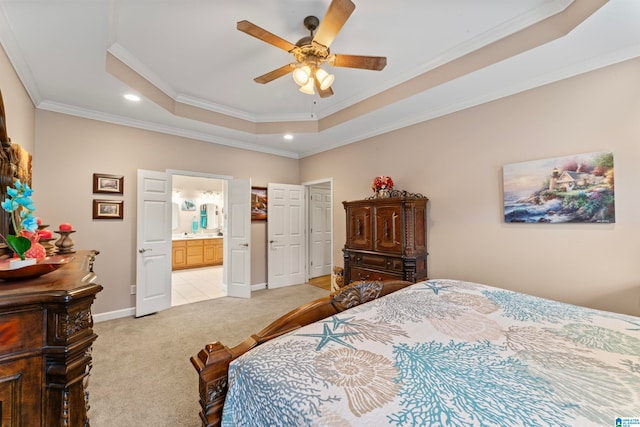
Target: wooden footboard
{"type": "Point", "coordinates": [212, 362]}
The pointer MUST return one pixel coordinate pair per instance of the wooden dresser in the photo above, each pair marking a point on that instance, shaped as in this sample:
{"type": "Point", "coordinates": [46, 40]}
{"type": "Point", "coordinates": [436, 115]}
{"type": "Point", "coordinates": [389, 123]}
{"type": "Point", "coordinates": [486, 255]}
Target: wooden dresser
{"type": "Point", "coordinates": [386, 239]}
{"type": "Point", "coordinates": [46, 333]}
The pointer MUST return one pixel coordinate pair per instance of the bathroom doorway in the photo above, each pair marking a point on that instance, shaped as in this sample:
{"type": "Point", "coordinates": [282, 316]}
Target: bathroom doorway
{"type": "Point", "coordinates": [197, 239]}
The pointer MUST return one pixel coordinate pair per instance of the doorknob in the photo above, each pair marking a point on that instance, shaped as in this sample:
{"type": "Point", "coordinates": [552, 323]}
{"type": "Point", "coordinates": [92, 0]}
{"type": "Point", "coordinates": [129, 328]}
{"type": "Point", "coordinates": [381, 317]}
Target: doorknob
{"type": "Point", "coordinates": [246, 245]}
{"type": "Point", "coordinates": [143, 250]}
{"type": "Point", "coordinates": [272, 241]}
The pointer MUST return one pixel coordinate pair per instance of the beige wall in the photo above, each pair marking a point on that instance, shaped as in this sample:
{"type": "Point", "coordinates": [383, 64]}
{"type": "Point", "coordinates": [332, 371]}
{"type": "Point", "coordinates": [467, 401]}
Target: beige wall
{"type": "Point", "coordinates": [457, 161]}
{"type": "Point", "coordinates": [71, 149]}
{"type": "Point", "coordinates": [19, 109]}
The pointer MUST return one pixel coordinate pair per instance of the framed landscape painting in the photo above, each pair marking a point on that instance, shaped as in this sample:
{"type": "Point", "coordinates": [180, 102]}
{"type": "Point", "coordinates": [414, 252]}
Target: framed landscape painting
{"type": "Point", "coordinates": [577, 188]}
{"type": "Point", "coordinates": [103, 183]}
{"type": "Point", "coordinates": [107, 209]}
{"type": "Point", "coordinates": [258, 203]}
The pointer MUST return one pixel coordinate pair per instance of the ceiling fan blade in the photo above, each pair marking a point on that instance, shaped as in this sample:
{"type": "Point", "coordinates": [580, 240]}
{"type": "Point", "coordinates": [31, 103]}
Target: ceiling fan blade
{"type": "Point", "coordinates": [337, 14]}
{"type": "Point", "coordinates": [376, 63]}
{"type": "Point", "coordinates": [278, 72]}
{"type": "Point", "coordinates": [264, 35]}
{"type": "Point", "coordinates": [323, 93]}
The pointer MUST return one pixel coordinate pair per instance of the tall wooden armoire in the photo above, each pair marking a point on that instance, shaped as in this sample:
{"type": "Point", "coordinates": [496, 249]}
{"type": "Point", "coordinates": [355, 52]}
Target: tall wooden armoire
{"type": "Point", "coordinates": [386, 239]}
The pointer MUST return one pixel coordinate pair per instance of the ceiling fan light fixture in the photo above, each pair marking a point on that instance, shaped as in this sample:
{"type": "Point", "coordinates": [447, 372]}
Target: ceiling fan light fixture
{"type": "Point", "coordinates": [312, 51]}
{"type": "Point", "coordinates": [308, 88]}
{"type": "Point", "coordinates": [301, 75]}
{"type": "Point", "coordinates": [325, 80]}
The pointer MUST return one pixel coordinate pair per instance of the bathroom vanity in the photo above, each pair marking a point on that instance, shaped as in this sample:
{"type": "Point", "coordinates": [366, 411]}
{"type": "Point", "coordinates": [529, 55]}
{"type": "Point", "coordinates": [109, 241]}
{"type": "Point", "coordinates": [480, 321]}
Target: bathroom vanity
{"type": "Point", "coordinates": [196, 251]}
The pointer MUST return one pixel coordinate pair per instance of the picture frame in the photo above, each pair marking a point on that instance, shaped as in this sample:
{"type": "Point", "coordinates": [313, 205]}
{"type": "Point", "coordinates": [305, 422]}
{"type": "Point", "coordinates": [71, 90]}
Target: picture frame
{"type": "Point", "coordinates": [108, 209]}
{"type": "Point", "coordinates": [258, 203]}
{"type": "Point", "coordinates": [188, 205]}
{"type": "Point", "coordinates": [577, 188]}
{"type": "Point", "coordinates": [110, 184]}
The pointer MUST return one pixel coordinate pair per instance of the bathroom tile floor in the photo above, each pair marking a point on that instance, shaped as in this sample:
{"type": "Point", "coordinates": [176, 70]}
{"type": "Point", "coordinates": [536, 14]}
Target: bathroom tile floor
{"type": "Point", "coordinates": [196, 284]}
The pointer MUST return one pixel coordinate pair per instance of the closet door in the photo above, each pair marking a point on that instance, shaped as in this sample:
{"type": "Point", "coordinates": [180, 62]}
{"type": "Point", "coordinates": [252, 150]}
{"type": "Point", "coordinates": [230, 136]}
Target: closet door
{"type": "Point", "coordinates": [286, 235]}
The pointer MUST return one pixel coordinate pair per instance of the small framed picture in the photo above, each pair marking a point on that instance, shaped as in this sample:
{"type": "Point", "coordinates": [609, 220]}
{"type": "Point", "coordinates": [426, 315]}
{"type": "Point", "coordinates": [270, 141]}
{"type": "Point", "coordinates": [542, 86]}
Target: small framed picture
{"type": "Point", "coordinates": [107, 209]}
{"type": "Point", "coordinates": [112, 184]}
{"type": "Point", "coordinates": [258, 203]}
{"type": "Point", "coordinates": [188, 205]}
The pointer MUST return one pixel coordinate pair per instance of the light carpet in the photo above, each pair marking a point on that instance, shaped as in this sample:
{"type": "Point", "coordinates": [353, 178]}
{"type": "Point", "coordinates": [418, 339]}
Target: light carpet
{"type": "Point", "coordinates": [142, 375]}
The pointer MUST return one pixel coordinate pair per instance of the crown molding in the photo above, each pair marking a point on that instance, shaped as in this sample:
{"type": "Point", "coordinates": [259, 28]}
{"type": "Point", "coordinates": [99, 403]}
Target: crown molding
{"type": "Point", "coordinates": [20, 66]}
{"type": "Point", "coordinates": [169, 130]}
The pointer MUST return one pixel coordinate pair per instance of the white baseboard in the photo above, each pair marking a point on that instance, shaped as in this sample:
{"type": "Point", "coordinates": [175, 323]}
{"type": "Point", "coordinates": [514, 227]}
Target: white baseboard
{"type": "Point", "coordinates": [110, 315]}
{"type": "Point", "coordinates": [126, 312]}
{"type": "Point", "coordinates": [258, 287]}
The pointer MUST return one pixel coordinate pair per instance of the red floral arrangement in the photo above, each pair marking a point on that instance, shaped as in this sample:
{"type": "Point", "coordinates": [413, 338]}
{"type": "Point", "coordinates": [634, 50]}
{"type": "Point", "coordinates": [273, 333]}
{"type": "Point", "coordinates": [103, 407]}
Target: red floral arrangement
{"type": "Point", "coordinates": [382, 182]}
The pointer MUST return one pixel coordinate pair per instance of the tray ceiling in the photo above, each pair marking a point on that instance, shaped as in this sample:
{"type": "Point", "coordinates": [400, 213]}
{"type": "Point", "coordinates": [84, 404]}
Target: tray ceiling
{"type": "Point", "coordinates": [195, 71]}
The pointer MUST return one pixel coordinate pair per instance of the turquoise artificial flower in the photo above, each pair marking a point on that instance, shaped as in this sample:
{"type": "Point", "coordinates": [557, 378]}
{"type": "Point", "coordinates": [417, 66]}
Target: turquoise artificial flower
{"type": "Point", "coordinates": [7, 205]}
{"type": "Point", "coordinates": [19, 199]}
{"type": "Point", "coordinates": [30, 223]}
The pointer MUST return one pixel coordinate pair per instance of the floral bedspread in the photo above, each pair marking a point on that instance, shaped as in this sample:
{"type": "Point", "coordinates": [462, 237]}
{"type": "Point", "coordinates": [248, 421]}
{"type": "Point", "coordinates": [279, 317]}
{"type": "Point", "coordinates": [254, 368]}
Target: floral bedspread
{"type": "Point", "coordinates": [444, 353]}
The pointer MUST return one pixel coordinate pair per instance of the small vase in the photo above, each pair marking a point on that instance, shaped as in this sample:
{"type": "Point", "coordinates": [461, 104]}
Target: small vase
{"type": "Point", "coordinates": [383, 193]}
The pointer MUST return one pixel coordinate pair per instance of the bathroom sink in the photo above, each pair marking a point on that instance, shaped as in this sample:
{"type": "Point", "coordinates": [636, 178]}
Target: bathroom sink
{"type": "Point", "coordinates": [196, 236]}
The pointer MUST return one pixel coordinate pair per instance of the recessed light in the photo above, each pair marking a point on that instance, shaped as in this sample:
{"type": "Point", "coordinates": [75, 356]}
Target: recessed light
{"type": "Point", "coordinates": [288, 137]}
{"type": "Point", "coordinates": [132, 97]}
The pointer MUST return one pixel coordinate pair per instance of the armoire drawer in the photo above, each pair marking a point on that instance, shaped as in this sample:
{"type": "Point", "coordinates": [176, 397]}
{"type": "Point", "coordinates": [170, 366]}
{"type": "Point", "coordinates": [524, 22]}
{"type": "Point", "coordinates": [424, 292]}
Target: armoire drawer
{"type": "Point", "coordinates": [376, 261]}
{"type": "Point", "coordinates": [365, 274]}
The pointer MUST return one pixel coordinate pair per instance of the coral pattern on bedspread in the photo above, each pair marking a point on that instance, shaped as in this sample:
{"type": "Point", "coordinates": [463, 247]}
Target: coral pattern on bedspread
{"type": "Point", "coordinates": [444, 353]}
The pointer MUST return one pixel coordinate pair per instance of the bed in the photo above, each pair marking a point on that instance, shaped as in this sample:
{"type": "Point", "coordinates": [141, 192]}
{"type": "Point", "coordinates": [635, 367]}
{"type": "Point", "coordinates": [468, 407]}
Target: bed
{"type": "Point", "coordinates": [434, 353]}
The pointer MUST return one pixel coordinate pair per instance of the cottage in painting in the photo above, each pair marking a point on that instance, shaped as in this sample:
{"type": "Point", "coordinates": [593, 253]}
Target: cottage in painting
{"type": "Point", "coordinates": [573, 180]}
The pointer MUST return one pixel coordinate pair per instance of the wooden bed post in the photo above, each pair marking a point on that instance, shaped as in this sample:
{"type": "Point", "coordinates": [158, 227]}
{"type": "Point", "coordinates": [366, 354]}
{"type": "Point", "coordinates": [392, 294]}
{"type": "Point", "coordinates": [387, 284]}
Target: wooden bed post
{"type": "Point", "coordinates": [212, 364]}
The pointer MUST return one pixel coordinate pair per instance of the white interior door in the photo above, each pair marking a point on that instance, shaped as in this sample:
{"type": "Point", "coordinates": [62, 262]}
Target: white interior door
{"type": "Point", "coordinates": [153, 265]}
{"type": "Point", "coordinates": [285, 235]}
{"type": "Point", "coordinates": [237, 238]}
{"type": "Point", "coordinates": [319, 231]}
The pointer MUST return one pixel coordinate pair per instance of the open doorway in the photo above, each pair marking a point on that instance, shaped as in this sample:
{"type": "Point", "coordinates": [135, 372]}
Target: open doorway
{"type": "Point", "coordinates": [320, 232]}
{"type": "Point", "coordinates": [197, 239]}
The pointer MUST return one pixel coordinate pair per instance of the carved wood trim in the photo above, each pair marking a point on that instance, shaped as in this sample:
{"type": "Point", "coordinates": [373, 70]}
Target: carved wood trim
{"type": "Point", "coordinates": [70, 324]}
{"type": "Point", "coordinates": [216, 389]}
{"type": "Point", "coordinates": [355, 294]}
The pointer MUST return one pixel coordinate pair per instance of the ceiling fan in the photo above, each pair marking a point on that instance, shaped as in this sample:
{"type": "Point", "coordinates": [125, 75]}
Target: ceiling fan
{"type": "Point", "coordinates": [312, 51]}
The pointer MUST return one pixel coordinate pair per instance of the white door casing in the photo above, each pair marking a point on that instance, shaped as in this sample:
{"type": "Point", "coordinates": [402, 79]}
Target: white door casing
{"type": "Point", "coordinates": [319, 231]}
{"type": "Point", "coordinates": [153, 254]}
{"type": "Point", "coordinates": [285, 235]}
{"type": "Point", "coordinates": [237, 236]}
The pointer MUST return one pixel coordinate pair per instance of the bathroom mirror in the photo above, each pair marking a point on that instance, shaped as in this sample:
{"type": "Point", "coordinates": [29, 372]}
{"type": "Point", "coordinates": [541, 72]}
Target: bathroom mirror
{"type": "Point", "coordinates": [212, 212]}
{"type": "Point", "coordinates": [174, 216]}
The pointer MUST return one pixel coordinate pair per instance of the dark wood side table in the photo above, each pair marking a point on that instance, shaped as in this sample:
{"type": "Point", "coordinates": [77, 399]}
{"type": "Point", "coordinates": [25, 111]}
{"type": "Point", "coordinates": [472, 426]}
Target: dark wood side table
{"type": "Point", "coordinates": [46, 334]}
